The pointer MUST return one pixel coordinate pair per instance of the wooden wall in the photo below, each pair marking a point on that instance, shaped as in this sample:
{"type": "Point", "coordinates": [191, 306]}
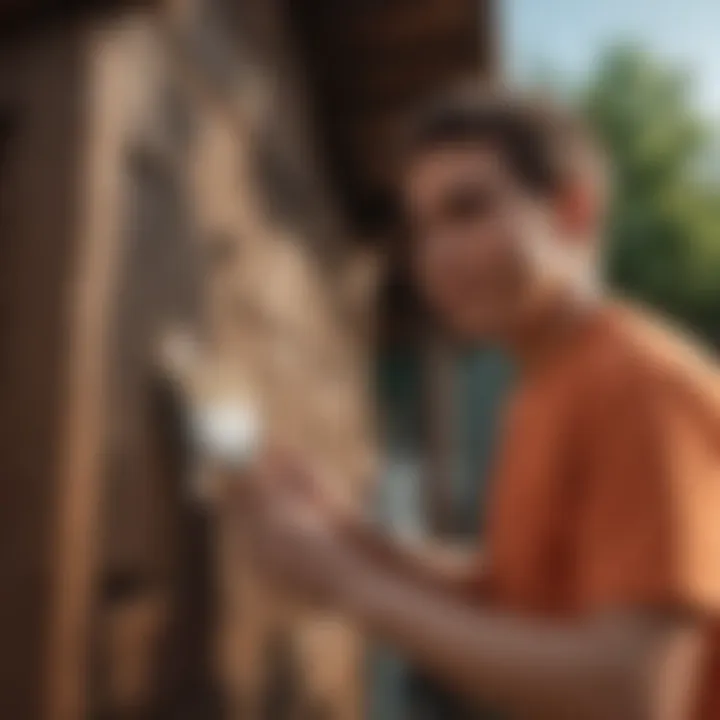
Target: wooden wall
{"type": "Point", "coordinates": [157, 166]}
{"type": "Point", "coordinates": [41, 103]}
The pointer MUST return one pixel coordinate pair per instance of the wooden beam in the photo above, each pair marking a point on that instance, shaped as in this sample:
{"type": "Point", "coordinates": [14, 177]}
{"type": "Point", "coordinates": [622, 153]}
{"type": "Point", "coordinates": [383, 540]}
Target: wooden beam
{"type": "Point", "coordinates": [399, 79]}
{"type": "Point", "coordinates": [92, 287]}
{"type": "Point", "coordinates": [21, 17]}
{"type": "Point", "coordinates": [395, 22]}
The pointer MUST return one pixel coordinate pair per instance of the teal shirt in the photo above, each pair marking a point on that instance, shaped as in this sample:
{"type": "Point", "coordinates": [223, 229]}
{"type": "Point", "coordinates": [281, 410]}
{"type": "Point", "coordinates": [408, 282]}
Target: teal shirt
{"type": "Point", "coordinates": [482, 380]}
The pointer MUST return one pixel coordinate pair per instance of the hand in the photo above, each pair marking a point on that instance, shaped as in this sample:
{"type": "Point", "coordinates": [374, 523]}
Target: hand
{"type": "Point", "coordinates": [295, 530]}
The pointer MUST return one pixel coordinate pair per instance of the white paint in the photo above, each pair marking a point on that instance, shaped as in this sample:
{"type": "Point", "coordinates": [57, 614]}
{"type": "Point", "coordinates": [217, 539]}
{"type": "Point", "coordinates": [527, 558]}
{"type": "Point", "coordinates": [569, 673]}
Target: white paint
{"type": "Point", "coordinates": [227, 430]}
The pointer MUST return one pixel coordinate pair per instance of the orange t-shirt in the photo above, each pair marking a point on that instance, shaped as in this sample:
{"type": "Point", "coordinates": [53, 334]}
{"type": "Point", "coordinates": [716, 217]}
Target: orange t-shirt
{"type": "Point", "coordinates": [607, 493]}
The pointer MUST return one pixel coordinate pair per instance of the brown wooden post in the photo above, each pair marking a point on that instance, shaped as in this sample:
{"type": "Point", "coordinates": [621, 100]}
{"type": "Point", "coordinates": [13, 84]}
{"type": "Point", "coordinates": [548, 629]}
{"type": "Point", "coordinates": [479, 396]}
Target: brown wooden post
{"type": "Point", "coordinates": [93, 286]}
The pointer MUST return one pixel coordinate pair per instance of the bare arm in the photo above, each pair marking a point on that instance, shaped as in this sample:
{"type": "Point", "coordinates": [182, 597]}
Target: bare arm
{"type": "Point", "coordinates": [625, 667]}
{"type": "Point", "coordinates": [454, 570]}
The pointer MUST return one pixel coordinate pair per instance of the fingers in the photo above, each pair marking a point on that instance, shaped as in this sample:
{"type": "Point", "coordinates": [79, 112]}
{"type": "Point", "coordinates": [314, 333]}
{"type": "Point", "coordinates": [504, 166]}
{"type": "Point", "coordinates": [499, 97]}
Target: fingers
{"type": "Point", "coordinates": [248, 490]}
{"type": "Point", "coordinates": [277, 489]}
{"type": "Point", "coordinates": [287, 472]}
{"type": "Point", "coordinates": [261, 487]}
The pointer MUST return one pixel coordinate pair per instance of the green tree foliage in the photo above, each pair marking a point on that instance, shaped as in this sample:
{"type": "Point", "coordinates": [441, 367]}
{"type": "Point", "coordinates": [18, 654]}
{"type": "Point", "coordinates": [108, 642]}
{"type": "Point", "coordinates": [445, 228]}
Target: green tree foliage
{"type": "Point", "coordinates": [665, 226]}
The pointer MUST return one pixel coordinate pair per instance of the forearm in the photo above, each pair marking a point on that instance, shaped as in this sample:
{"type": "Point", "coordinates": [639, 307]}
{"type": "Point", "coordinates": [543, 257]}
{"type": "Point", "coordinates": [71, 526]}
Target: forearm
{"type": "Point", "coordinates": [449, 570]}
{"type": "Point", "coordinates": [536, 669]}
{"type": "Point", "coordinates": [485, 656]}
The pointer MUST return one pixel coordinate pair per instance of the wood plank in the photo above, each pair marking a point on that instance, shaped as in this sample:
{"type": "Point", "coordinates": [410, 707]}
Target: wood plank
{"type": "Point", "coordinates": [41, 92]}
{"type": "Point", "coordinates": [92, 284]}
{"type": "Point", "coordinates": [395, 22]}
{"type": "Point", "coordinates": [362, 89]}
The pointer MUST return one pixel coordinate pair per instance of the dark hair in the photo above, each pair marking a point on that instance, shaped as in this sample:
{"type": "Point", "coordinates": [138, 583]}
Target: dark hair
{"type": "Point", "coordinates": [545, 144]}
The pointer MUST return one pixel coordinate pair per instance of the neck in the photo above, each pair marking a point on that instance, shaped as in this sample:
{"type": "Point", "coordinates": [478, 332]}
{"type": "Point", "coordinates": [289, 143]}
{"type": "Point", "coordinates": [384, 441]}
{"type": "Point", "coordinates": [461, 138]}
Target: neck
{"type": "Point", "coordinates": [549, 326]}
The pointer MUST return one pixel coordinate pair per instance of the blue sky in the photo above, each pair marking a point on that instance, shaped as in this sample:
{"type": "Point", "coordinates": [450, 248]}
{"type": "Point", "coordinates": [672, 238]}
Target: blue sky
{"type": "Point", "coordinates": [567, 35]}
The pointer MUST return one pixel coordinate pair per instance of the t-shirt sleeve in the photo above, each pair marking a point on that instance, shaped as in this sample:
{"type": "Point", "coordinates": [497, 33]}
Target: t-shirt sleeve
{"type": "Point", "coordinates": [649, 520]}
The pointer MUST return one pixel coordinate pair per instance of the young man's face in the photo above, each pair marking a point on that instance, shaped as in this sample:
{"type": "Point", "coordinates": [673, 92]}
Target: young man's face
{"type": "Point", "coordinates": [476, 231]}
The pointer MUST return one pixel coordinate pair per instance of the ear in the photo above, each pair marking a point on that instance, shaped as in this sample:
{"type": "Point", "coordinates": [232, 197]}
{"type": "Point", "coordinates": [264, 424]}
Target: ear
{"type": "Point", "coordinates": [577, 209]}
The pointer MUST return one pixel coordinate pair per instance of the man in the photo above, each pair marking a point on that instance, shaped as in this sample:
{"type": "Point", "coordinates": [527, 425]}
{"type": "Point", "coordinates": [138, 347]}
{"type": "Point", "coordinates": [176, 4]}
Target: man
{"type": "Point", "coordinates": [599, 590]}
